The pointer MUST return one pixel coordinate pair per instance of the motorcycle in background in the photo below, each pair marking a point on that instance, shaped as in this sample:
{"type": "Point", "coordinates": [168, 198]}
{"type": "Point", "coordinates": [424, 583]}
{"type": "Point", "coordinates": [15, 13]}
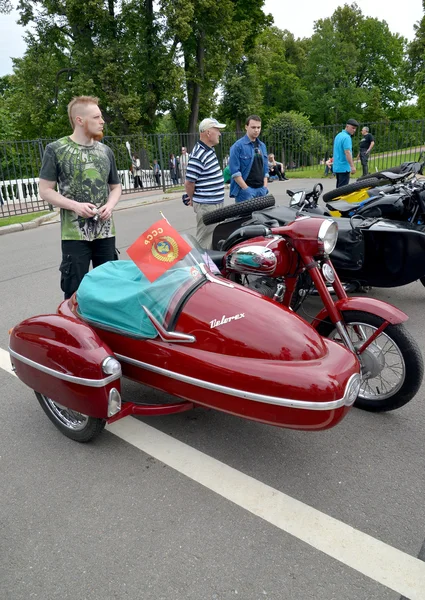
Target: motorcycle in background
{"type": "Point", "coordinates": [365, 186]}
{"type": "Point", "coordinates": [399, 202]}
{"type": "Point", "coordinates": [372, 251]}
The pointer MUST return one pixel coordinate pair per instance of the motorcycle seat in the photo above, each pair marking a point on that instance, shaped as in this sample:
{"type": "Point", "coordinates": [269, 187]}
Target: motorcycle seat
{"type": "Point", "coordinates": [217, 257]}
{"type": "Point", "coordinates": [394, 176]}
{"type": "Point", "coordinates": [342, 206]}
{"type": "Point", "coordinates": [275, 216]}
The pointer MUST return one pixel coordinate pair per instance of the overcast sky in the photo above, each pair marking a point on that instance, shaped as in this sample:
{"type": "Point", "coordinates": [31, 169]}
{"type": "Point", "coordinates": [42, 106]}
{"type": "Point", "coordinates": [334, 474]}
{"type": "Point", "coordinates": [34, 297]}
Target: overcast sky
{"type": "Point", "coordinates": [297, 17]}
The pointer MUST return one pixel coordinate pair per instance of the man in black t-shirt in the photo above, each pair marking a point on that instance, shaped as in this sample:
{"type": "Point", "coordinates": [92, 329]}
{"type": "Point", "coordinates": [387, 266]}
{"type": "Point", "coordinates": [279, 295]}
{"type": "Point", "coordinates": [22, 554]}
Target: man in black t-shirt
{"type": "Point", "coordinates": [366, 144]}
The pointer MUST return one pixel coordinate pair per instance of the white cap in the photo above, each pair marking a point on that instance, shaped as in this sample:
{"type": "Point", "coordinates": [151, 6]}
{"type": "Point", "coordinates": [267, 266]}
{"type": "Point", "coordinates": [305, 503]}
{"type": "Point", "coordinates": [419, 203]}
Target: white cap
{"type": "Point", "coordinates": [209, 123]}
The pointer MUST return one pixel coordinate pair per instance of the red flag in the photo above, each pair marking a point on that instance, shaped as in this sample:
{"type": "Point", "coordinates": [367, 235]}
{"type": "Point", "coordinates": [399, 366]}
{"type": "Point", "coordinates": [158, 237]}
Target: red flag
{"type": "Point", "coordinates": [157, 249]}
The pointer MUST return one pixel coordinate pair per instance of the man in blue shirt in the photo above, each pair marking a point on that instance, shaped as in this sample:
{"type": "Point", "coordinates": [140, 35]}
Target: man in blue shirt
{"type": "Point", "coordinates": [248, 164]}
{"type": "Point", "coordinates": [343, 163]}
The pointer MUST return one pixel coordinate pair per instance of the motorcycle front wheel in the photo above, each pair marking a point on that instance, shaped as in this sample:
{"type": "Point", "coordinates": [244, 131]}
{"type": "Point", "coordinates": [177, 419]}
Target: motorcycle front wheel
{"type": "Point", "coordinates": [392, 364]}
{"type": "Point", "coordinates": [75, 425]}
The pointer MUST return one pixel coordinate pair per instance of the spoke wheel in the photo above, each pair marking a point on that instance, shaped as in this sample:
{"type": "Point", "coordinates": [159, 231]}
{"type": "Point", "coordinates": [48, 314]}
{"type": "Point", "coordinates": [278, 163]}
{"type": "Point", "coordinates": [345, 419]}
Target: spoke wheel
{"type": "Point", "coordinates": [382, 362]}
{"type": "Point", "coordinates": [71, 423]}
{"type": "Point", "coordinates": [392, 366]}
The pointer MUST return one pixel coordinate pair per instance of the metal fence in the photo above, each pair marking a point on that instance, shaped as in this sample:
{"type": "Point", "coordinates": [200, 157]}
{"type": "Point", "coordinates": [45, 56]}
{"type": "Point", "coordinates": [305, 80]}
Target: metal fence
{"type": "Point", "coordinates": [308, 149]}
{"type": "Point", "coordinates": [302, 149]}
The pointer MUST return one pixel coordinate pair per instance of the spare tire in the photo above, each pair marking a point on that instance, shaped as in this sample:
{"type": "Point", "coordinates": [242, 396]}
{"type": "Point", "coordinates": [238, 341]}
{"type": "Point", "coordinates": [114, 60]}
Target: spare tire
{"type": "Point", "coordinates": [352, 187]}
{"type": "Point", "coordinates": [239, 209]}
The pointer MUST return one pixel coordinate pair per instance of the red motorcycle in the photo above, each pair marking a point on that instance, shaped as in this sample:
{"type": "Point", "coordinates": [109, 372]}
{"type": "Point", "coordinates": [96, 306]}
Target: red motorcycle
{"type": "Point", "coordinates": [203, 339]}
{"type": "Point", "coordinates": [272, 260]}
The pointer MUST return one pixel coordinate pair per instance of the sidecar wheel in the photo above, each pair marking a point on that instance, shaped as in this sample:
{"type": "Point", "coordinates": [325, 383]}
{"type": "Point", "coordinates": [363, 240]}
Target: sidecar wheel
{"type": "Point", "coordinates": [239, 209]}
{"type": "Point", "coordinates": [76, 426]}
{"type": "Point", "coordinates": [393, 360]}
{"type": "Point", "coordinates": [352, 187]}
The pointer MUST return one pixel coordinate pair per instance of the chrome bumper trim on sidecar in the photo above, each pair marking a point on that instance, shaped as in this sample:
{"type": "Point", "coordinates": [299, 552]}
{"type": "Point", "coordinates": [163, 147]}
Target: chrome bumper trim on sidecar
{"type": "Point", "coordinates": [97, 383]}
{"type": "Point", "coordinates": [215, 387]}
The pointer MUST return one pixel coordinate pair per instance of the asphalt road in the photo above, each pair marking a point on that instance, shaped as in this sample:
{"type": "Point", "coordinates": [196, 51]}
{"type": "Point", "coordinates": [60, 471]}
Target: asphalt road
{"type": "Point", "coordinates": [111, 521]}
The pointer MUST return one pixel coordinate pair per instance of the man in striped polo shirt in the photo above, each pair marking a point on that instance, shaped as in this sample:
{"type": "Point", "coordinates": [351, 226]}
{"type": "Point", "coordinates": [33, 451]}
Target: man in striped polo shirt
{"type": "Point", "coordinates": [204, 179]}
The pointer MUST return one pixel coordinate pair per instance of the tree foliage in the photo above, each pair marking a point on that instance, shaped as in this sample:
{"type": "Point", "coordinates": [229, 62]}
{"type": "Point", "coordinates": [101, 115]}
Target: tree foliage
{"type": "Point", "coordinates": [267, 77]}
{"type": "Point", "coordinates": [5, 6]}
{"type": "Point", "coordinates": [170, 63]}
{"type": "Point", "coordinates": [416, 64]}
{"type": "Point", "coordinates": [210, 36]}
{"type": "Point", "coordinates": [355, 66]}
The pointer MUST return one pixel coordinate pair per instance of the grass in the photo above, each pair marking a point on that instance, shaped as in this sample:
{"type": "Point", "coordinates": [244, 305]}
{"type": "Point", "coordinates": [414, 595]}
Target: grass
{"type": "Point", "coordinates": [21, 218]}
{"type": "Point", "coordinates": [376, 163]}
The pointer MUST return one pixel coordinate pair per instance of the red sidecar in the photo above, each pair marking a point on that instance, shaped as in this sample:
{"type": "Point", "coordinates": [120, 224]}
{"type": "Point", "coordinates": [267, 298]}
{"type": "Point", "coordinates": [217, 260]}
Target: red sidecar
{"type": "Point", "coordinates": [191, 334]}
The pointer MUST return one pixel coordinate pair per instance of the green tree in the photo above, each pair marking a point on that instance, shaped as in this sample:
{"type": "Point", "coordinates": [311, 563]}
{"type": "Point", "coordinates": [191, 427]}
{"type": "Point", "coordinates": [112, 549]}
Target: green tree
{"type": "Point", "coordinates": [242, 94]}
{"type": "Point", "coordinates": [5, 6]}
{"type": "Point", "coordinates": [112, 50]}
{"type": "Point", "coordinates": [268, 80]}
{"type": "Point", "coordinates": [9, 129]}
{"type": "Point", "coordinates": [416, 64]}
{"type": "Point", "coordinates": [352, 62]}
{"type": "Point", "coordinates": [291, 137]}
{"type": "Point", "coordinates": [209, 35]}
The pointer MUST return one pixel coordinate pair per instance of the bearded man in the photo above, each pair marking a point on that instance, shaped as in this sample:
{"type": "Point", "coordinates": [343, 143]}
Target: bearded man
{"type": "Point", "coordinates": [85, 174]}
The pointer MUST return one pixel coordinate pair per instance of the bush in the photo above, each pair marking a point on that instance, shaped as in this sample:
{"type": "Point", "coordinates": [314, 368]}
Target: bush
{"type": "Point", "coordinates": [292, 139]}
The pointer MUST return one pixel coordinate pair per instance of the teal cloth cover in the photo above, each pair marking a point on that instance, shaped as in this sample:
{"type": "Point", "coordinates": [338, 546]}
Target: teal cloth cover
{"type": "Point", "coordinates": [113, 294]}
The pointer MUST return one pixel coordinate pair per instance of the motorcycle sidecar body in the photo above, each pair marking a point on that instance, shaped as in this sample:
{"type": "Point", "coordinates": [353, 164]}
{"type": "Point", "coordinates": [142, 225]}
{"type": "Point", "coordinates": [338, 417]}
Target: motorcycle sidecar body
{"type": "Point", "coordinates": [204, 340]}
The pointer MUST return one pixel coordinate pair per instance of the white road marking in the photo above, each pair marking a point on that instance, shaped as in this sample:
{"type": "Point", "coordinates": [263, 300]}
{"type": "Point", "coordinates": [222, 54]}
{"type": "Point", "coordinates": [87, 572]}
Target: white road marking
{"type": "Point", "coordinates": [5, 363]}
{"type": "Point", "coordinates": [371, 557]}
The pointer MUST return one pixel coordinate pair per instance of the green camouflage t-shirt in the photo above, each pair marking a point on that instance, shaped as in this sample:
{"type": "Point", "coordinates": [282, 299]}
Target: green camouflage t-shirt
{"type": "Point", "coordinates": [83, 173]}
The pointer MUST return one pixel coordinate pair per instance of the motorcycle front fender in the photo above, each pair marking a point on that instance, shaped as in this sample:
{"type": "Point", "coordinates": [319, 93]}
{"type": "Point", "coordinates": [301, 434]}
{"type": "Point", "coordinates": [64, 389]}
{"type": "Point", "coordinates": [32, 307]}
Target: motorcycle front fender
{"type": "Point", "coordinates": [386, 311]}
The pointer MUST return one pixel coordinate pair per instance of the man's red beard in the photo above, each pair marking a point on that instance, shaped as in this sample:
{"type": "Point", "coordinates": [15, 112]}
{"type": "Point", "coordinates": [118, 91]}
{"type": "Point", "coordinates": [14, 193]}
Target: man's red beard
{"type": "Point", "coordinates": [95, 136]}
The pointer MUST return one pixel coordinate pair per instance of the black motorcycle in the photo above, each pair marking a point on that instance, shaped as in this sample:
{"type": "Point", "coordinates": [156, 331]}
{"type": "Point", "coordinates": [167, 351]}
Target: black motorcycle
{"type": "Point", "coordinates": [370, 185]}
{"type": "Point", "coordinates": [400, 202]}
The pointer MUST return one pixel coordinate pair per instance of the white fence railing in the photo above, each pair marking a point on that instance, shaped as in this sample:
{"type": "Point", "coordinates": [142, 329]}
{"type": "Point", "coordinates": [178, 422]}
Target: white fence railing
{"type": "Point", "coordinates": [19, 190]}
{"type": "Point", "coordinates": [25, 191]}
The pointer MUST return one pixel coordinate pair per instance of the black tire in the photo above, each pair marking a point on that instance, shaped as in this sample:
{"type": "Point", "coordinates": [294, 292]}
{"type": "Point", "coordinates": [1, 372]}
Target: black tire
{"type": "Point", "coordinates": [376, 357]}
{"type": "Point", "coordinates": [74, 425]}
{"type": "Point", "coordinates": [352, 187]}
{"type": "Point", "coordinates": [239, 209]}
{"type": "Point", "coordinates": [380, 174]}
{"type": "Point", "coordinates": [422, 280]}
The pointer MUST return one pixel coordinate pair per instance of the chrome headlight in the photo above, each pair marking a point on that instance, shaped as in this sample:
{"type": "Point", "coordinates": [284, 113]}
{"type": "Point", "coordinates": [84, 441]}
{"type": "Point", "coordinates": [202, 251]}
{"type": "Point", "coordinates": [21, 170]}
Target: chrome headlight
{"type": "Point", "coordinates": [111, 366]}
{"type": "Point", "coordinates": [328, 235]}
{"type": "Point", "coordinates": [352, 390]}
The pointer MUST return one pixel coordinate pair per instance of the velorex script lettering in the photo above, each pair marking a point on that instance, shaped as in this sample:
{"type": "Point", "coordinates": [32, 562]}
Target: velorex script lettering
{"type": "Point", "coordinates": [224, 319]}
